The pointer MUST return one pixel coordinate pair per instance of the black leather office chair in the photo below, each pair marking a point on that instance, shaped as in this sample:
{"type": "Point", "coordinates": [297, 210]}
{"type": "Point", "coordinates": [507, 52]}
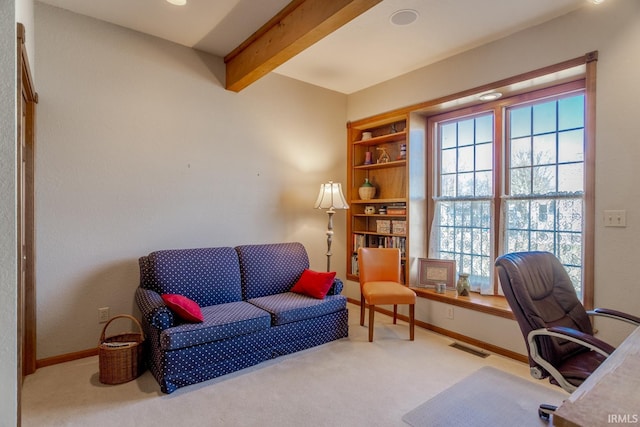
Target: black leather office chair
{"type": "Point", "coordinates": [553, 321]}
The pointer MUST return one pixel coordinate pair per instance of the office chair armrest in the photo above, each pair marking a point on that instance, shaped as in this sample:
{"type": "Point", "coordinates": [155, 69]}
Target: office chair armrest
{"type": "Point", "coordinates": [615, 314]}
{"type": "Point", "coordinates": [585, 339]}
{"type": "Point", "coordinates": [569, 334]}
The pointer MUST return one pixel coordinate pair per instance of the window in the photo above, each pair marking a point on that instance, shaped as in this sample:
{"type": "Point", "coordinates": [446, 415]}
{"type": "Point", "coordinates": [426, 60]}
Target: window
{"type": "Point", "coordinates": [465, 196]}
{"type": "Point", "coordinates": [510, 176]}
{"type": "Point", "coordinates": [544, 198]}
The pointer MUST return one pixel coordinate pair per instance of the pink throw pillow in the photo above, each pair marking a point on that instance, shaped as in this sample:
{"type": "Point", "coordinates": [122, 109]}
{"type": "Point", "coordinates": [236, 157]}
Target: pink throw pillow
{"type": "Point", "coordinates": [184, 307]}
{"type": "Point", "coordinates": [315, 284]}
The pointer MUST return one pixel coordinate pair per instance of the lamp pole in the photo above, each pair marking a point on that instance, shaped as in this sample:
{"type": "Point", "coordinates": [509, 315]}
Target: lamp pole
{"type": "Point", "coordinates": [330, 212]}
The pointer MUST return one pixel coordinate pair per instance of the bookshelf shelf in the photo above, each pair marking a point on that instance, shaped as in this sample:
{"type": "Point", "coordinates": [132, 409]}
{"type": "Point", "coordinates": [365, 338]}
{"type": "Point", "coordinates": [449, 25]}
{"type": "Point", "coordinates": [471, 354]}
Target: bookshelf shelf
{"type": "Point", "coordinates": [391, 164]}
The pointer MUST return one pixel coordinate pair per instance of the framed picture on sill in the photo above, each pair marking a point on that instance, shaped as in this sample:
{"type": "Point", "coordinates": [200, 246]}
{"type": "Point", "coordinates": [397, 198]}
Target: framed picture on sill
{"type": "Point", "coordinates": [433, 271]}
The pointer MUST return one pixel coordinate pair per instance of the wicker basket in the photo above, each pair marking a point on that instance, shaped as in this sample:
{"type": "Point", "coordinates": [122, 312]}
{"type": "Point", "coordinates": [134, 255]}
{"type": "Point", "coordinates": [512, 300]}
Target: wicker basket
{"type": "Point", "coordinates": [121, 356]}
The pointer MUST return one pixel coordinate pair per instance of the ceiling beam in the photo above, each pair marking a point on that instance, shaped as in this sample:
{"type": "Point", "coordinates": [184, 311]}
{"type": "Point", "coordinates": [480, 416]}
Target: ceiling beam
{"type": "Point", "coordinates": [296, 27]}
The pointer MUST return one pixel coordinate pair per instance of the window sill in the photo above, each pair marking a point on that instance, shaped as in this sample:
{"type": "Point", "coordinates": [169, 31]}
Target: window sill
{"type": "Point", "coordinates": [489, 304]}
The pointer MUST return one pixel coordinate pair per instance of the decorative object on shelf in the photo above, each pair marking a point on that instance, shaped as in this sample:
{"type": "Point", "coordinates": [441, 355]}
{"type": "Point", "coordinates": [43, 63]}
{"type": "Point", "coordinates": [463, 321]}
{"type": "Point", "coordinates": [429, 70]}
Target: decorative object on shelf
{"type": "Point", "coordinates": [366, 135]}
{"type": "Point", "coordinates": [331, 198]}
{"type": "Point", "coordinates": [403, 152]}
{"type": "Point", "coordinates": [382, 210]}
{"type": "Point", "coordinates": [383, 226]}
{"type": "Point", "coordinates": [434, 271]}
{"type": "Point", "coordinates": [399, 227]}
{"type": "Point", "coordinates": [441, 288]}
{"type": "Point", "coordinates": [393, 128]}
{"type": "Point", "coordinates": [369, 210]}
{"type": "Point", "coordinates": [368, 158]}
{"type": "Point", "coordinates": [366, 190]}
{"type": "Point", "coordinates": [463, 285]}
{"type": "Point", "coordinates": [384, 156]}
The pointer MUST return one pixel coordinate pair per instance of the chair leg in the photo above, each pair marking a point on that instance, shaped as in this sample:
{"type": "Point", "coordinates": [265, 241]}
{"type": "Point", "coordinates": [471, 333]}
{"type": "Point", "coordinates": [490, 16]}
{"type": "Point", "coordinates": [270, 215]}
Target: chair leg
{"type": "Point", "coordinates": [545, 411]}
{"type": "Point", "coordinates": [395, 314]}
{"type": "Point", "coordinates": [362, 310]}
{"type": "Point", "coordinates": [372, 310]}
{"type": "Point", "coordinates": [412, 321]}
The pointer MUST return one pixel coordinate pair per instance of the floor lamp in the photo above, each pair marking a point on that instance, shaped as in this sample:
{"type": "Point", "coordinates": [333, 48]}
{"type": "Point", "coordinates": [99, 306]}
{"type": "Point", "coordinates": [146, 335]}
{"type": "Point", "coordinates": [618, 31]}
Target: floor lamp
{"type": "Point", "coordinates": [331, 198]}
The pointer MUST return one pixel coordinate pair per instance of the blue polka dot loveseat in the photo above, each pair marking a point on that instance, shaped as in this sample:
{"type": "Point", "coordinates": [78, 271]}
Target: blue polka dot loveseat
{"type": "Point", "coordinates": [249, 313]}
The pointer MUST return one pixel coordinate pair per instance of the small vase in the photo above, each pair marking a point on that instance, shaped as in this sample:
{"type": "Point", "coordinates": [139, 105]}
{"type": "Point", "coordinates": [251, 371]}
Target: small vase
{"type": "Point", "coordinates": [368, 158]}
{"type": "Point", "coordinates": [367, 190]}
{"type": "Point", "coordinates": [462, 286]}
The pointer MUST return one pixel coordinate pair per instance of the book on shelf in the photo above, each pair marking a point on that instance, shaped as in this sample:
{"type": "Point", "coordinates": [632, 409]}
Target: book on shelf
{"type": "Point", "coordinates": [397, 209]}
{"type": "Point", "coordinates": [393, 242]}
{"type": "Point", "coordinates": [359, 241]}
{"type": "Point", "coordinates": [373, 241]}
{"type": "Point", "coordinates": [354, 264]}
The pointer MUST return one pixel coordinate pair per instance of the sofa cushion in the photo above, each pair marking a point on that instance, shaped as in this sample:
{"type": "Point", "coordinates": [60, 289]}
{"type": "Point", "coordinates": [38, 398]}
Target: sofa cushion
{"type": "Point", "coordinates": [291, 307]}
{"type": "Point", "coordinates": [271, 268]}
{"type": "Point", "coordinates": [315, 284]}
{"type": "Point", "coordinates": [187, 309]}
{"type": "Point", "coordinates": [208, 276]}
{"type": "Point", "coordinates": [221, 321]}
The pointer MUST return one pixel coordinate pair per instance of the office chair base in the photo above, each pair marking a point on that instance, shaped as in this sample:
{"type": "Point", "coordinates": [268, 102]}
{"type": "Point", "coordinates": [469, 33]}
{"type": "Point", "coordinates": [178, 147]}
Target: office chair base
{"type": "Point", "coordinates": [544, 411]}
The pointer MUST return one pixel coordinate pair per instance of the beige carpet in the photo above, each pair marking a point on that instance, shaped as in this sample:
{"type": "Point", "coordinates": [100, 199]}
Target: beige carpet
{"type": "Point", "coordinates": [349, 382]}
{"type": "Point", "coordinates": [473, 402]}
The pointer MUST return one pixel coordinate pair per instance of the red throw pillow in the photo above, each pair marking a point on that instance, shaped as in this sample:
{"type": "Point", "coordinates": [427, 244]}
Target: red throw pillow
{"type": "Point", "coordinates": [184, 307]}
{"type": "Point", "coordinates": [314, 283]}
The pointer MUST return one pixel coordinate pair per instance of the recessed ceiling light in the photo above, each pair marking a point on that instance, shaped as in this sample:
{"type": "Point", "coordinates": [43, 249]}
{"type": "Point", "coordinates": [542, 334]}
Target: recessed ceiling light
{"type": "Point", "coordinates": [491, 96]}
{"type": "Point", "coordinates": [403, 17]}
{"type": "Point", "coordinates": [597, 1]}
{"type": "Point", "coordinates": [178, 2]}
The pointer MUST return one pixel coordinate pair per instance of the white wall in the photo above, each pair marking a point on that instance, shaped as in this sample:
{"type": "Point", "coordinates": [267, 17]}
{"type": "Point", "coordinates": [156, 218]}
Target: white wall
{"type": "Point", "coordinates": [8, 243]}
{"type": "Point", "coordinates": [612, 28]}
{"type": "Point", "coordinates": [24, 15]}
{"type": "Point", "coordinates": [10, 13]}
{"type": "Point", "coordinates": [140, 148]}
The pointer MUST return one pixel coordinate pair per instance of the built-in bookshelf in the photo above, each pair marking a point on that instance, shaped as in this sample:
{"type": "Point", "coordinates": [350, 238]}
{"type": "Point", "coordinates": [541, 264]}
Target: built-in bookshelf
{"type": "Point", "coordinates": [379, 150]}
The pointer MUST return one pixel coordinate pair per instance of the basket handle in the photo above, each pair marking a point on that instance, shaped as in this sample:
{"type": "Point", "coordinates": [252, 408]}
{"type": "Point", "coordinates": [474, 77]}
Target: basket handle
{"type": "Point", "coordinates": [102, 335]}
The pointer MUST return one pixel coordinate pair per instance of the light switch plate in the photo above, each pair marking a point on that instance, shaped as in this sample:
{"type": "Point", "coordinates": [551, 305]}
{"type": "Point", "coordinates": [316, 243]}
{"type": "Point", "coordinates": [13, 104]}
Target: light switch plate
{"type": "Point", "coordinates": [617, 218]}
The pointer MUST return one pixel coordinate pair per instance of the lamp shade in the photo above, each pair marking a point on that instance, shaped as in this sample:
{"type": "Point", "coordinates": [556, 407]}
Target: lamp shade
{"type": "Point", "coordinates": [331, 197]}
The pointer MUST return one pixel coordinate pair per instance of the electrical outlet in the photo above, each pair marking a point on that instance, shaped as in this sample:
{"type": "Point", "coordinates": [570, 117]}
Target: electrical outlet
{"type": "Point", "coordinates": [103, 314]}
{"type": "Point", "coordinates": [450, 313]}
{"type": "Point", "coordinates": [615, 218]}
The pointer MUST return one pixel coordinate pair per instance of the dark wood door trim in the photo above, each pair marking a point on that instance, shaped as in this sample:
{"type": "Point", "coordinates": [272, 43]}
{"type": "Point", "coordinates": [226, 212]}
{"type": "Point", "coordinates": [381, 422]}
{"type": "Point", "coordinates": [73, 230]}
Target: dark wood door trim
{"type": "Point", "coordinates": [26, 120]}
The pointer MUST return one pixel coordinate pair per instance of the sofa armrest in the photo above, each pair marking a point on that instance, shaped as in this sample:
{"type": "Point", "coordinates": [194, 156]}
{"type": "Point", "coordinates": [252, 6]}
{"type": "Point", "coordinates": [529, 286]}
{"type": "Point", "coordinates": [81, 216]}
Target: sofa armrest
{"type": "Point", "coordinates": [336, 288]}
{"type": "Point", "coordinates": [153, 309]}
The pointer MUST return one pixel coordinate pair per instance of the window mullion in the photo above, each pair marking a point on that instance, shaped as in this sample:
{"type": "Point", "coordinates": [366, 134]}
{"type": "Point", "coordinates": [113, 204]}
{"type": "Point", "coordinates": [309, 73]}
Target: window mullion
{"type": "Point", "coordinates": [500, 164]}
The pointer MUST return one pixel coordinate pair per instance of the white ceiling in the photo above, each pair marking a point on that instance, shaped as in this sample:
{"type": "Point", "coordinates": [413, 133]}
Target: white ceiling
{"type": "Point", "coordinates": [366, 51]}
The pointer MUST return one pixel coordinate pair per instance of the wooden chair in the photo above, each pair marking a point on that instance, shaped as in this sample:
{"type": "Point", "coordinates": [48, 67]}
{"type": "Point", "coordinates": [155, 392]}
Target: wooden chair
{"type": "Point", "coordinates": [381, 283]}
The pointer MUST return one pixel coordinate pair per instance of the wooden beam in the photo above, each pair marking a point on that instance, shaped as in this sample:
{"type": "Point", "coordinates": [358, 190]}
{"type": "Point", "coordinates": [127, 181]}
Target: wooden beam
{"type": "Point", "coordinates": [296, 27]}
